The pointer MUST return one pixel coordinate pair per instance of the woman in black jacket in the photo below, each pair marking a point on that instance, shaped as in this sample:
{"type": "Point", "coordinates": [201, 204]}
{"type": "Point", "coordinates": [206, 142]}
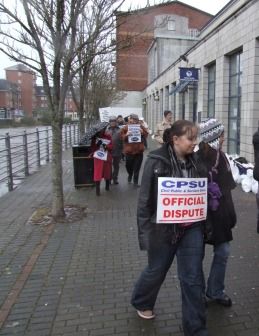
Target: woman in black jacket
{"type": "Point", "coordinates": [164, 241]}
{"type": "Point", "coordinates": [221, 216]}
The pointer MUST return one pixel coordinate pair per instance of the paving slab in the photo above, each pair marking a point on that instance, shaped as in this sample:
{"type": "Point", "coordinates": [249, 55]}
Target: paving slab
{"type": "Point", "coordinates": [77, 278]}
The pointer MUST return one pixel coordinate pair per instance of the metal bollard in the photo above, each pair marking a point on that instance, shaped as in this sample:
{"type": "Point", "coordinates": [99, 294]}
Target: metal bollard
{"type": "Point", "coordinates": [25, 154]}
{"type": "Point", "coordinates": [38, 146]}
{"type": "Point", "coordinates": [47, 144]}
{"type": "Point", "coordinates": [9, 162]}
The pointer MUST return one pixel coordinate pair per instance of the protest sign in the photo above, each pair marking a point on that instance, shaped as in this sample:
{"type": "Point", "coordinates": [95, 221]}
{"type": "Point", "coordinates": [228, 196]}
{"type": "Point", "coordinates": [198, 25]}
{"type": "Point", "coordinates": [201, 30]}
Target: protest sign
{"type": "Point", "coordinates": [101, 154]}
{"type": "Point", "coordinates": [134, 131]}
{"type": "Point", "coordinates": [181, 200]}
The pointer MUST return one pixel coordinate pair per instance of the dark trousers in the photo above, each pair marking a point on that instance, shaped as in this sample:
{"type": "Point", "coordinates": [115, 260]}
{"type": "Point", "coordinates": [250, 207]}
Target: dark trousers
{"type": "Point", "coordinates": [133, 165]}
{"type": "Point", "coordinates": [116, 167]}
{"type": "Point", "coordinates": [189, 252]}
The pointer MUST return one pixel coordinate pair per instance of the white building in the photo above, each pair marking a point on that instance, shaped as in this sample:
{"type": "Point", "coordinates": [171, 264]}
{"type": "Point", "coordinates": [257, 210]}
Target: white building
{"type": "Point", "coordinates": [227, 55]}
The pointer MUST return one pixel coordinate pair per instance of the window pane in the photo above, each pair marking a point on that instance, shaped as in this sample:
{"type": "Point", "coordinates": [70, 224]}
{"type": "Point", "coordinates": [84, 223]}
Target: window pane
{"type": "Point", "coordinates": [234, 65]}
{"type": "Point", "coordinates": [233, 107]}
{"type": "Point", "coordinates": [232, 147]}
{"type": "Point", "coordinates": [211, 93]}
{"type": "Point", "coordinates": [240, 84]}
{"type": "Point", "coordinates": [211, 109]}
{"type": "Point", "coordinates": [212, 72]}
{"type": "Point", "coordinates": [232, 129]}
{"type": "Point", "coordinates": [233, 86]}
{"type": "Point", "coordinates": [171, 25]}
{"type": "Point", "coordinates": [241, 62]}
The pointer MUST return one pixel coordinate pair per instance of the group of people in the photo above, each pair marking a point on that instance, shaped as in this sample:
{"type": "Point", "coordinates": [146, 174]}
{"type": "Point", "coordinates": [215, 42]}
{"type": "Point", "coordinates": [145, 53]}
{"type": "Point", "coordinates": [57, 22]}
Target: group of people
{"type": "Point", "coordinates": [178, 157]}
{"type": "Point", "coordinates": [120, 140]}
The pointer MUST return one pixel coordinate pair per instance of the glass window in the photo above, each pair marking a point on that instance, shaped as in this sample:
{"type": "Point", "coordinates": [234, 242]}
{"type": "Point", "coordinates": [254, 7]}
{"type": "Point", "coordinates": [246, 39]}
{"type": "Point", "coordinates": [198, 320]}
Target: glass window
{"type": "Point", "coordinates": [167, 97]}
{"type": "Point", "coordinates": [234, 86]}
{"type": "Point", "coordinates": [235, 95]}
{"type": "Point", "coordinates": [171, 25]}
{"type": "Point", "coordinates": [182, 105]}
{"type": "Point", "coordinates": [233, 107]}
{"type": "Point", "coordinates": [232, 145]}
{"type": "Point", "coordinates": [161, 98]}
{"type": "Point", "coordinates": [211, 90]}
{"type": "Point", "coordinates": [173, 100]}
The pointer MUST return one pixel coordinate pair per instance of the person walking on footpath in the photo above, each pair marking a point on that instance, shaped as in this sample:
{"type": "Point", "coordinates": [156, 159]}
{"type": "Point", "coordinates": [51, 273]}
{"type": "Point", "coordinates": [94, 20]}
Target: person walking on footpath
{"type": "Point", "coordinates": [221, 216]}
{"type": "Point", "coordinates": [114, 131]}
{"type": "Point", "coordinates": [256, 170]}
{"type": "Point", "coordinates": [102, 148]}
{"type": "Point", "coordinates": [161, 127]}
{"type": "Point", "coordinates": [120, 121]}
{"type": "Point", "coordinates": [165, 241]}
{"type": "Point", "coordinates": [133, 150]}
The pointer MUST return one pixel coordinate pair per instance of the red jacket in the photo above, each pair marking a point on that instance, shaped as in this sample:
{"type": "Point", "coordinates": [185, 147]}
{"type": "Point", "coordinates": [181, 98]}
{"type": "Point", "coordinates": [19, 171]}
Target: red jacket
{"type": "Point", "coordinates": [103, 169]}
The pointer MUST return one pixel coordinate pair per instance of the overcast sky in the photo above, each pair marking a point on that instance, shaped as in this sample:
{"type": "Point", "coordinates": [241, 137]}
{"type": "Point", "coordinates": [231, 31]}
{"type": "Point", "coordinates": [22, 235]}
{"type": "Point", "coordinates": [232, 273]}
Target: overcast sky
{"type": "Point", "coordinates": [210, 6]}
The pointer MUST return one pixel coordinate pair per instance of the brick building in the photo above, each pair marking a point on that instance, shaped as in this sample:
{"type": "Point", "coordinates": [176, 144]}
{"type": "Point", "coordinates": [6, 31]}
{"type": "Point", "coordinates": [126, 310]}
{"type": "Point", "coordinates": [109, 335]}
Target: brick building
{"type": "Point", "coordinates": [25, 78]}
{"type": "Point", "coordinates": [136, 31]}
{"type": "Point", "coordinates": [42, 103]}
{"type": "Point", "coordinates": [19, 93]}
{"type": "Point", "coordinates": [10, 99]}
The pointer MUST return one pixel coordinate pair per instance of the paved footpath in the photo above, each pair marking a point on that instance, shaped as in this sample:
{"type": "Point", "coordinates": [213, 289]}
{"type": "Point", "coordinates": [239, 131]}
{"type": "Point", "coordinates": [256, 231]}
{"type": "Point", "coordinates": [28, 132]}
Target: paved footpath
{"type": "Point", "coordinates": [77, 278]}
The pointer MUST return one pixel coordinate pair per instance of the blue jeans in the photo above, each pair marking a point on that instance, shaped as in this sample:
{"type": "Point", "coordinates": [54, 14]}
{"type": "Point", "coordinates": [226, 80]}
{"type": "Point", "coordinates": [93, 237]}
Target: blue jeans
{"type": "Point", "coordinates": [189, 253]}
{"type": "Point", "coordinates": [215, 285]}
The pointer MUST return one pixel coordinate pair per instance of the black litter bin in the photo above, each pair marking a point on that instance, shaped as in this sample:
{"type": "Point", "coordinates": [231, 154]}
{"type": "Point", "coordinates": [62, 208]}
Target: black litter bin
{"type": "Point", "coordinates": [83, 166]}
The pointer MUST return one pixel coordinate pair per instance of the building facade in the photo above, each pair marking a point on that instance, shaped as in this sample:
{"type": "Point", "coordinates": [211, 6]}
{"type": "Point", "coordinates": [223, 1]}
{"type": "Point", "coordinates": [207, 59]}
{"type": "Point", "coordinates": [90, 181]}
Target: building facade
{"type": "Point", "coordinates": [10, 100]}
{"type": "Point", "coordinates": [135, 34]}
{"type": "Point", "coordinates": [25, 78]}
{"type": "Point", "coordinates": [20, 96]}
{"type": "Point", "coordinates": [42, 104]}
{"type": "Point", "coordinates": [227, 58]}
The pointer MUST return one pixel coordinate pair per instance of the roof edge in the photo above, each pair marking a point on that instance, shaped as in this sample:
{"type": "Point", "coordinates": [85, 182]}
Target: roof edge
{"type": "Point", "coordinates": [122, 13]}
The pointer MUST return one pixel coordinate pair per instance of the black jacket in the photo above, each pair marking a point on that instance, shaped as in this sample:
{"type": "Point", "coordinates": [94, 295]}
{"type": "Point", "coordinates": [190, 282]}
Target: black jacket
{"type": "Point", "coordinates": [158, 164]}
{"type": "Point", "coordinates": [219, 223]}
{"type": "Point", "coordinates": [256, 153]}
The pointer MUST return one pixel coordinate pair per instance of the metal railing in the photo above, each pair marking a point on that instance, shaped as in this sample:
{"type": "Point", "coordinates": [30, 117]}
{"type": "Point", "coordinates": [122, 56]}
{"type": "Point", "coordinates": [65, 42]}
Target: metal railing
{"type": "Point", "coordinates": [23, 154]}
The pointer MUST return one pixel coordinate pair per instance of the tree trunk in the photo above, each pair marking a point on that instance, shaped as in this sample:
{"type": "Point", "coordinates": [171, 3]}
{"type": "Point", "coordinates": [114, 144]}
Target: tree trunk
{"type": "Point", "coordinates": [57, 172]}
{"type": "Point", "coordinates": [81, 118]}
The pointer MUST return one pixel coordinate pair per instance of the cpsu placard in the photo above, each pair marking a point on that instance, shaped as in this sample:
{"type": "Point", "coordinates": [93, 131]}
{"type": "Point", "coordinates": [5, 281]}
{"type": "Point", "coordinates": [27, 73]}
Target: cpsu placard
{"type": "Point", "coordinates": [181, 200]}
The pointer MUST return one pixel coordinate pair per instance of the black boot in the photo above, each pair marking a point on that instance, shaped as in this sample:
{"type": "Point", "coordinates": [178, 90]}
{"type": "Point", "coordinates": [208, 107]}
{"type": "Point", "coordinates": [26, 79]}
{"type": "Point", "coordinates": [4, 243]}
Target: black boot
{"type": "Point", "coordinates": [107, 184]}
{"type": "Point", "coordinates": [97, 186]}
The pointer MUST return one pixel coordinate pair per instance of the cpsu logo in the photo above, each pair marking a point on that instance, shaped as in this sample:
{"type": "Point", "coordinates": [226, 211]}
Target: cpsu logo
{"type": "Point", "coordinates": [134, 139]}
{"type": "Point", "coordinates": [181, 184]}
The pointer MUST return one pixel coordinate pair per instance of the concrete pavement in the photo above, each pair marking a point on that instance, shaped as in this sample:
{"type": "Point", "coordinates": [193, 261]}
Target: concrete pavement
{"type": "Point", "coordinates": [77, 278]}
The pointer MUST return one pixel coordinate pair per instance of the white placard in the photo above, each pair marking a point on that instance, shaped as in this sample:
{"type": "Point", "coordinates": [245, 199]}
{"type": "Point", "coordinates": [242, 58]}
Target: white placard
{"type": "Point", "coordinates": [100, 154]}
{"type": "Point", "coordinates": [181, 200]}
{"type": "Point", "coordinates": [134, 131]}
{"type": "Point", "coordinates": [106, 112]}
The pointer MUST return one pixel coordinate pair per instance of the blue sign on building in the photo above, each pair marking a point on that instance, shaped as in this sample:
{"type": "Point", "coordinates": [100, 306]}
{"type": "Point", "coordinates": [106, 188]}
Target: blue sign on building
{"type": "Point", "coordinates": [190, 74]}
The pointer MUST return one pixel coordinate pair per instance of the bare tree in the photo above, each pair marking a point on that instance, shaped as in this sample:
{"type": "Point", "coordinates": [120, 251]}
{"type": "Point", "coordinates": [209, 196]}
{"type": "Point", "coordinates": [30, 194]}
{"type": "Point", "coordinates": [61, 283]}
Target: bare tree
{"type": "Point", "coordinates": [102, 89]}
{"type": "Point", "coordinates": [97, 28]}
{"type": "Point", "coordinates": [42, 34]}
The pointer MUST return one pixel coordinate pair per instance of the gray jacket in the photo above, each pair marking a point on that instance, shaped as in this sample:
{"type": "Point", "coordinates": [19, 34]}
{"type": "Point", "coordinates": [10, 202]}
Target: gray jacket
{"type": "Point", "coordinates": [116, 140]}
